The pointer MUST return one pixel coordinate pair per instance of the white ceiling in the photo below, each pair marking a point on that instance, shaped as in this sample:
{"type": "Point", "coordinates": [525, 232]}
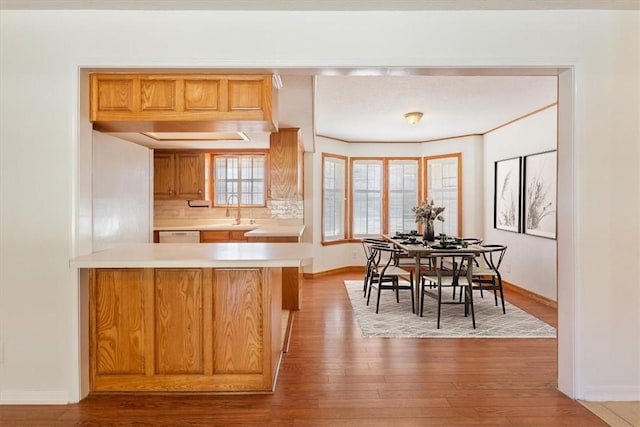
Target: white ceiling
{"type": "Point", "coordinates": [372, 108]}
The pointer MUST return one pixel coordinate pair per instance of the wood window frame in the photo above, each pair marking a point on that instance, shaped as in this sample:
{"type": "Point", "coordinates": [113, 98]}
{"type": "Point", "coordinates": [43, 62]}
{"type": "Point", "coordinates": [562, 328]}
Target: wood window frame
{"type": "Point", "coordinates": [385, 189]}
{"type": "Point", "coordinates": [238, 152]}
{"type": "Point", "coordinates": [347, 182]}
{"type": "Point", "coordinates": [458, 156]}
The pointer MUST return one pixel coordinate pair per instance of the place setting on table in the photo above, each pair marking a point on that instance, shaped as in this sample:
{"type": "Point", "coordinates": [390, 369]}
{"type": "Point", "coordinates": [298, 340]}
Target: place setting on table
{"type": "Point", "coordinates": [426, 213]}
{"type": "Point", "coordinates": [442, 241]}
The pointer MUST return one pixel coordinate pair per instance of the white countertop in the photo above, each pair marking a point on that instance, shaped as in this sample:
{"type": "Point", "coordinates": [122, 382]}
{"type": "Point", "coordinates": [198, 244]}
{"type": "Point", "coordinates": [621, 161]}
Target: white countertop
{"type": "Point", "coordinates": [198, 255]}
{"type": "Point", "coordinates": [204, 227]}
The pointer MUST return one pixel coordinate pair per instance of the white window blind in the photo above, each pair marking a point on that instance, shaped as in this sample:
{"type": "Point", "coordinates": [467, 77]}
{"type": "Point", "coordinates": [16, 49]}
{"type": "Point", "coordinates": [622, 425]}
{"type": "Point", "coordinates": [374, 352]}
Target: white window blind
{"type": "Point", "coordinates": [443, 189]}
{"type": "Point", "coordinates": [367, 198]}
{"type": "Point", "coordinates": [333, 198]}
{"type": "Point", "coordinates": [402, 195]}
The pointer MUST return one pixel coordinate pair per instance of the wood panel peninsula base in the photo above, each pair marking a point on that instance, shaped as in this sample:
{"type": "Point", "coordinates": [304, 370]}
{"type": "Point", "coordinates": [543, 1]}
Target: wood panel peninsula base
{"type": "Point", "coordinates": [195, 328]}
{"type": "Point", "coordinates": [185, 329]}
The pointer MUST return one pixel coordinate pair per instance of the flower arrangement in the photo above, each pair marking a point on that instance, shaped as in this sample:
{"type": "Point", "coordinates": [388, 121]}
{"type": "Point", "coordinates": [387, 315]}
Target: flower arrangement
{"type": "Point", "coordinates": [426, 212]}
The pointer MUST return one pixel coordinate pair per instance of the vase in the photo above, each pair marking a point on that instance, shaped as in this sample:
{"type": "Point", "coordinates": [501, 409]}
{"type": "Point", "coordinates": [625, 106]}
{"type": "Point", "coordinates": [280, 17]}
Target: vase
{"type": "Point", "coordinates": [428, 234]}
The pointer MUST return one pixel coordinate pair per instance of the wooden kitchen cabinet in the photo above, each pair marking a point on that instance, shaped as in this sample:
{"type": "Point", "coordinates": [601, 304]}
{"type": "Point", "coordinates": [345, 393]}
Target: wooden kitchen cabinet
{"type": "Point", "coordinates": [164, 175]}
{"type": "Point", "coordinates": [178, 175]}
{"type": "Point", "coordinates": [148, 102]}
{"type": "Point", "coordinates": [178, 329]}
{"type": "Point", "coordinates": [190, 176]}
{"type": "Point", "coordinates": [287, 165]}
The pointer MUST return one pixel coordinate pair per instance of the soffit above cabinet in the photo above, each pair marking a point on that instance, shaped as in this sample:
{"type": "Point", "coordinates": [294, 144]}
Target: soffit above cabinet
{"type": "Point", "coordinates": [183, 103]}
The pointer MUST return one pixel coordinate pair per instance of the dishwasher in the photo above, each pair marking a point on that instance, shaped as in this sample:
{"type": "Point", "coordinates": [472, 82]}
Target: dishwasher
{"type": "Point", "coordinates": [179, 236]}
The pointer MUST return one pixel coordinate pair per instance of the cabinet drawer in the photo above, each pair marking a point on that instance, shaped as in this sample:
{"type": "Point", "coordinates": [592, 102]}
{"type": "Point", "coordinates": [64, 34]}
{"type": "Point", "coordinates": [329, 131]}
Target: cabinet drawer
{"type": "Point", "coordinates": [210, 236]}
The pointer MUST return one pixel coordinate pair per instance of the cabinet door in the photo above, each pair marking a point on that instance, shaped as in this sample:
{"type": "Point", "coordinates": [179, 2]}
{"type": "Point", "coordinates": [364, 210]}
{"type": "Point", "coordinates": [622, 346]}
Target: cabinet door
{"type": "Point", "coordinates": [178, 321]}
{"type": "Point", "coordinates": [189, 176]}
{"type": "Point", "coordinates": [239, 313]}
{"type": "Point", "coordinates": [164, 175]}
{"type": "Point", "coordinates": [286, 165]}
{"type": "Point", "coordinates": [118, 332]}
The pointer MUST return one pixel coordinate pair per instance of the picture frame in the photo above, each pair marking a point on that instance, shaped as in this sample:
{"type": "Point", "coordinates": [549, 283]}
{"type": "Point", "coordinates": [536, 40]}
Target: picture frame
{"type": "Point", "coordinates": [540, 194]}
{"type": "Point", "coordinates": [507, 198]}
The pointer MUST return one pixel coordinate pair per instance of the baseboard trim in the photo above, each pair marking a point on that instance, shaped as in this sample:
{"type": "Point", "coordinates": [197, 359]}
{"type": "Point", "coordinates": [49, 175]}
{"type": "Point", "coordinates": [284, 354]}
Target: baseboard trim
{"type": "Point", "coordinates": [287, 336]}
{"type": "Point", "coordinates": [34, 397]}
{"type": "Point", "coordinates": [531, 295]}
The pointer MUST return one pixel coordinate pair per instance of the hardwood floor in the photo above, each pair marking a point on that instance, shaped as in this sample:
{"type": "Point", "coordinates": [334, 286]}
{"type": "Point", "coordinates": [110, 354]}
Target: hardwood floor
{"type": "Point", "coordinates": [333, 376]}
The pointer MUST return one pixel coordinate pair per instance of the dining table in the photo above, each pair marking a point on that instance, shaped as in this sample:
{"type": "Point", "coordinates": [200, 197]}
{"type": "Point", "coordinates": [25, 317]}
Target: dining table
{"type": "Point", "coordinates": [418, 250]}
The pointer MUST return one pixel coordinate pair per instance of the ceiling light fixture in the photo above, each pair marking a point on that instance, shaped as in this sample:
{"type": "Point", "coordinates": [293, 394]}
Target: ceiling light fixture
{"type": "Point", "coordinates": [413, 117]}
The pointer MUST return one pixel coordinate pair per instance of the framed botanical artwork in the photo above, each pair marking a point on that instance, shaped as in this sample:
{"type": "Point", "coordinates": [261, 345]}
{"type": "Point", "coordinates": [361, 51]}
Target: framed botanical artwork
{"type": "Point", "coordinates": [540, 177]}
{"type": "Point", "coordinates": [507, 195]}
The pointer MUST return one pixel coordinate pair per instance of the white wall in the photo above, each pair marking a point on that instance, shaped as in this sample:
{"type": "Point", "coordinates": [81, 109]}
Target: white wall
{"type": "Point", "coordinates": [43, 127]}
{"type": "Point", "coordinates": [121, 192]}
{"type": "Point", "coordinates": [530, 262]}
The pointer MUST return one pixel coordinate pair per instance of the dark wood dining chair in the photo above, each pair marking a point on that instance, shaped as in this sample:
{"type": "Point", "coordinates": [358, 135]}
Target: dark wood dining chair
{"type": "Point", "coordinates": [386, 274]}
{"type": "Point", "coordinates": [449, 271]}
{"type": "Point", "coordinates": [487, 275]}
{"type": "Point", "coordinates": [369, 245]}
{"type": "Point", "coordinates": [468, 241]}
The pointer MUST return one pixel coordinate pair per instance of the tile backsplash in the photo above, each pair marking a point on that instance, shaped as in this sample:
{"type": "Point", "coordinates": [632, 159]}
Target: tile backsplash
{"type": "Point", "coordinates": [167, 211]}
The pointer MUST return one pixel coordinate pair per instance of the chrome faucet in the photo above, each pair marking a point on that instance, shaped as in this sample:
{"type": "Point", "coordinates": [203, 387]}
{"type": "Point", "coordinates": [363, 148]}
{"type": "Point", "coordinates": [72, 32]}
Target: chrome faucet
{"type": "Point", "coordinates": [238, 217]}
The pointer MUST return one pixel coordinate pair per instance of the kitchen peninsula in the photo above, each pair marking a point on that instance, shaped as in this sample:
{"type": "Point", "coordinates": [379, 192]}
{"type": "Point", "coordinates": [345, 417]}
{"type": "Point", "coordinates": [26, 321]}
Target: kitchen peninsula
{"type": "Point", "coordinates": [212, 231]}
{"type": "Point", "coordinates": [187, 317]}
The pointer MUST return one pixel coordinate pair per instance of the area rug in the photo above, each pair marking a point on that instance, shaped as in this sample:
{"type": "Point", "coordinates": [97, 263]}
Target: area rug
{"type": "Point", "coordinates": [396, 320]}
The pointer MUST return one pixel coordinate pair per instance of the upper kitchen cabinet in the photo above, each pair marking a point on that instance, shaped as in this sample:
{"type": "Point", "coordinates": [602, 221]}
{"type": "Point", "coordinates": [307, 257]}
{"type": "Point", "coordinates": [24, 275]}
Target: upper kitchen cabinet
{"type": "Point", "coordinates": [287, 162]}
{"type": "Point", "coordinates": [183, 103]}
{"type": "Point", "coordinates": [178, 175]}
